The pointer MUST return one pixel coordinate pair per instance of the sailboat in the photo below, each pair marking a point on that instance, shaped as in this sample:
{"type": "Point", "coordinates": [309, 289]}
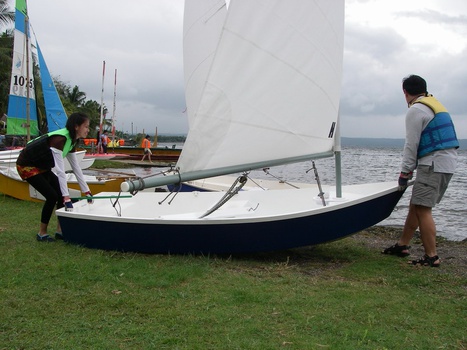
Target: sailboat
{"type": "Point", "coordinates": [22, 113]}
{"type": "Point", "coordinates": [22, 109]}
{"type": "Point", "coordinates": [262, 90]}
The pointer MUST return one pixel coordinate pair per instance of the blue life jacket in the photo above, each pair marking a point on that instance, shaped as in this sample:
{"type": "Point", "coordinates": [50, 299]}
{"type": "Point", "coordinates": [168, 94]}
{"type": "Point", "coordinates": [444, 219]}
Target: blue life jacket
{"type": "Point", "coordinates": [439, 133]}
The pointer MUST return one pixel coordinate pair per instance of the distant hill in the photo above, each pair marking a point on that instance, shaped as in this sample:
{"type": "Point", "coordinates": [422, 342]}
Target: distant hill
{"type": "Point", "coordinates": [383, 142]}
{"type": "Point", "coordinates": [345, 141]}
{"type": "Point", "coordinates": [372, 142]}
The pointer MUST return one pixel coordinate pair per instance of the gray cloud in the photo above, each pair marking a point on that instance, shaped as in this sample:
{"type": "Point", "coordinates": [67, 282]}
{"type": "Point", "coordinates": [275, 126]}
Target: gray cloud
{"type": "Point", "coordinates": [143, 40]}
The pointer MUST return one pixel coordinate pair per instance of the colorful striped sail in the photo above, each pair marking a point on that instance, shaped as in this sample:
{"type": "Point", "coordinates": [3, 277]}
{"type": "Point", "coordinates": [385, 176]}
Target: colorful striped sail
{"type": "Point", "coordinates": [22, 113]}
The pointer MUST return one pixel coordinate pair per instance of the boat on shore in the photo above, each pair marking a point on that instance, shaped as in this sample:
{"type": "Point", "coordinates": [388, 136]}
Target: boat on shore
{"type": "Point", "coordinates": [258, 95]}
{"type": "Point", "coordinates": [169, 154]}
{"type": "Point", "coordinates": [8, 158]}
{"type": "Point", "coordinates": [13, 186]}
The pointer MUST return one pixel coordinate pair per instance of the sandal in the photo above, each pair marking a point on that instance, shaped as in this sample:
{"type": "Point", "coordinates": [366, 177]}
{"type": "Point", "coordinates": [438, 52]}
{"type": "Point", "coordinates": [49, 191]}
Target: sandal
{"type": "Point", "coordinates": [45, 238]}
{"type": "Point", "coordinates": [396, 249]}
{"type": "Point", "coordinates": [426, 261]}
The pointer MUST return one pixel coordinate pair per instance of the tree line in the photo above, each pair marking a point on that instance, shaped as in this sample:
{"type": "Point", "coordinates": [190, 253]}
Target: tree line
{"type": "Point", "coordinates": [73, 99]}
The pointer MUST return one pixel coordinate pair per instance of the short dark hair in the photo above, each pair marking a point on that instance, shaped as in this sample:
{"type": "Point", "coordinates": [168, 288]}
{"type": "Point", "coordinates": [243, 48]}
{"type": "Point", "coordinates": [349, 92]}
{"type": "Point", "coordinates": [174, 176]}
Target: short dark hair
{"type": "Point", "coordinates": [414, 85]}
{"type": "Point", "coordinates": [75, 119]}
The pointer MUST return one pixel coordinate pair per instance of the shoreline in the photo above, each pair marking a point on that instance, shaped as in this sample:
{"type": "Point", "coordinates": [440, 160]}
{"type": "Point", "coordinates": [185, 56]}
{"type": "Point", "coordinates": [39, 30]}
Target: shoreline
{"type": "Point", "coordinates": [453, 254]}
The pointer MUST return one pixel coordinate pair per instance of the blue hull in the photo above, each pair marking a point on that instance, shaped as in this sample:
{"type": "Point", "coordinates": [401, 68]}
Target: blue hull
{"type": "Point", "coordinates": [231, 238]}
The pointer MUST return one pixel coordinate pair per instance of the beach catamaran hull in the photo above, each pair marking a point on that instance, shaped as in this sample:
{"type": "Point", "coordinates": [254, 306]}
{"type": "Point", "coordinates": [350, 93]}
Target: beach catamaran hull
{"type": "Point", "coordinates": [253, 221]}
{"type": "Point", "coordinates": [12, 185]}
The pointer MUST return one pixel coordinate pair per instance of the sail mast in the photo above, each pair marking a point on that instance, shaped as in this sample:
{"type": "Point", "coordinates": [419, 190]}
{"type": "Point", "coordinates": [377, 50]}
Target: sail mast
{"type": "Point", "coordinates": [114, 107]}
{"type": "Point", "coordinates": [28, 103]}
{"type": "Point", "coordinates": [102, 100]}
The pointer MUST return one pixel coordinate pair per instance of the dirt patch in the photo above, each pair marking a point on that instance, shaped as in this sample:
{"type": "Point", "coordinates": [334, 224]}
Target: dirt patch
{"type": "Point", "coordinates": [453, 254]}
{"type": "Point", "coordinates": [315, 261]}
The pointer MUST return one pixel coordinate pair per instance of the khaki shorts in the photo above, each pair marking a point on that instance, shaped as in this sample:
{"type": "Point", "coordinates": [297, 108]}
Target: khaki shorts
{"type": "Point", "coordinates": [429, 187]}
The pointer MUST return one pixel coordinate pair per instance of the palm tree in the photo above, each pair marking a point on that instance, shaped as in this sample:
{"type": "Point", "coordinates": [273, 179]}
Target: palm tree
{"type": "Point", "coordinates": [6, 53]}
{"type": "Point", "coordinates": [92, 109]}
{"type": "Point", "coordinates": [6, 16]}
{"type": "Point", "coordinates": [76, 97]}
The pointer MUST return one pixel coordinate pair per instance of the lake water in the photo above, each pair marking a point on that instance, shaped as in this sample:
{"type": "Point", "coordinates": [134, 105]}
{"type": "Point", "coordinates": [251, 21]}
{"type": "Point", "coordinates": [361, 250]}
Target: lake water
{"type": "Point", "coordinates": [364, 165]}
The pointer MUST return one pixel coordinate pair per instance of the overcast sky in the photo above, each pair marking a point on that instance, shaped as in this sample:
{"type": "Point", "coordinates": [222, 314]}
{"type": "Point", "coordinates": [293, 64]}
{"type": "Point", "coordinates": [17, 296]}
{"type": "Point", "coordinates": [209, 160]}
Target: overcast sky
{"type": "Point", "coordinates": [384, 41]}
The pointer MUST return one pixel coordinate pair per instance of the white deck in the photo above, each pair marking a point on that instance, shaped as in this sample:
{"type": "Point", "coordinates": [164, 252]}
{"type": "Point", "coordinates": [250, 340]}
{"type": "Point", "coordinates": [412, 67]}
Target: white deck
{"type": "Point", "coordinates": [188, 207]}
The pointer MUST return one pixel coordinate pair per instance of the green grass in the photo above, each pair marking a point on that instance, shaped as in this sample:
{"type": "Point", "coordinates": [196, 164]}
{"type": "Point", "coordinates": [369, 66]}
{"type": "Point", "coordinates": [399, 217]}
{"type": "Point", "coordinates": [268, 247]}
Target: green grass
{"type": "Point", "coordinates": [108, 164]}
{"type": "Point", "coordinates": [339, 295]}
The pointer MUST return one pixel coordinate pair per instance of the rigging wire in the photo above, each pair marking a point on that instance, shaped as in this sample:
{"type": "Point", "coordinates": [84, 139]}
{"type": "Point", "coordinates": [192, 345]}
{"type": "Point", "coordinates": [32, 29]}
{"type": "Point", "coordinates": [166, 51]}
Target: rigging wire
{"type": "Point", "coordinates": [266, 171]}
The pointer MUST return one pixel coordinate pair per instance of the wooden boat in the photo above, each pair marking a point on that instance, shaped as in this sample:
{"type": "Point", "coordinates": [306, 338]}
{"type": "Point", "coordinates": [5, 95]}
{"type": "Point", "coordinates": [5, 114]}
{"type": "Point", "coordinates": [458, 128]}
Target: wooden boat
{"type": "Point", "coordinates": [158, 153]}
{"type": "Point", "coordinates": [262, 90]}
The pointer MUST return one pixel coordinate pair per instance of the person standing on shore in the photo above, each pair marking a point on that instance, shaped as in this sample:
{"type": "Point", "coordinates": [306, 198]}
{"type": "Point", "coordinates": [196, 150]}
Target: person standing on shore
{"type": "Point", "coordinates": [146, 144]}
{"type": "Point", "coordinates": [35, 163]}
{"type": "Point", "coordinates": [430, 148]}
{"type": "Point", "coordinates": [104, 141]}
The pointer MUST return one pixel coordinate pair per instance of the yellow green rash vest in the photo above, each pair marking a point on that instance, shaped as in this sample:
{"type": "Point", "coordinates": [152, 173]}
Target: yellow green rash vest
{"type": "Point", "coordinates": [439, 133]}
{"type": "Point", "coordinates": [68, 143]}
{"type": "Point", "coordinates": [38, 153]}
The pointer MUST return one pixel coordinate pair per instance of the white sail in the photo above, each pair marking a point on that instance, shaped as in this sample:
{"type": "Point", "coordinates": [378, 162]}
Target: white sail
{"type": "Point", "coordinates": [274, 86]}
{"type": "Point", "coordinates": [202, 26]}
{"type": "Point", "coordinates": [272, 91]}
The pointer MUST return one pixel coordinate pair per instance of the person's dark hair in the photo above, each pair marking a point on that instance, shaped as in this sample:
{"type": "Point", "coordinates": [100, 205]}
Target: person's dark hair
{"type": "Point", "coordinates": [148, 137]}
{"type": "Point", "coordinates": [414, 85]}
{"type": "Point", "coordinates": [75, 119]}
